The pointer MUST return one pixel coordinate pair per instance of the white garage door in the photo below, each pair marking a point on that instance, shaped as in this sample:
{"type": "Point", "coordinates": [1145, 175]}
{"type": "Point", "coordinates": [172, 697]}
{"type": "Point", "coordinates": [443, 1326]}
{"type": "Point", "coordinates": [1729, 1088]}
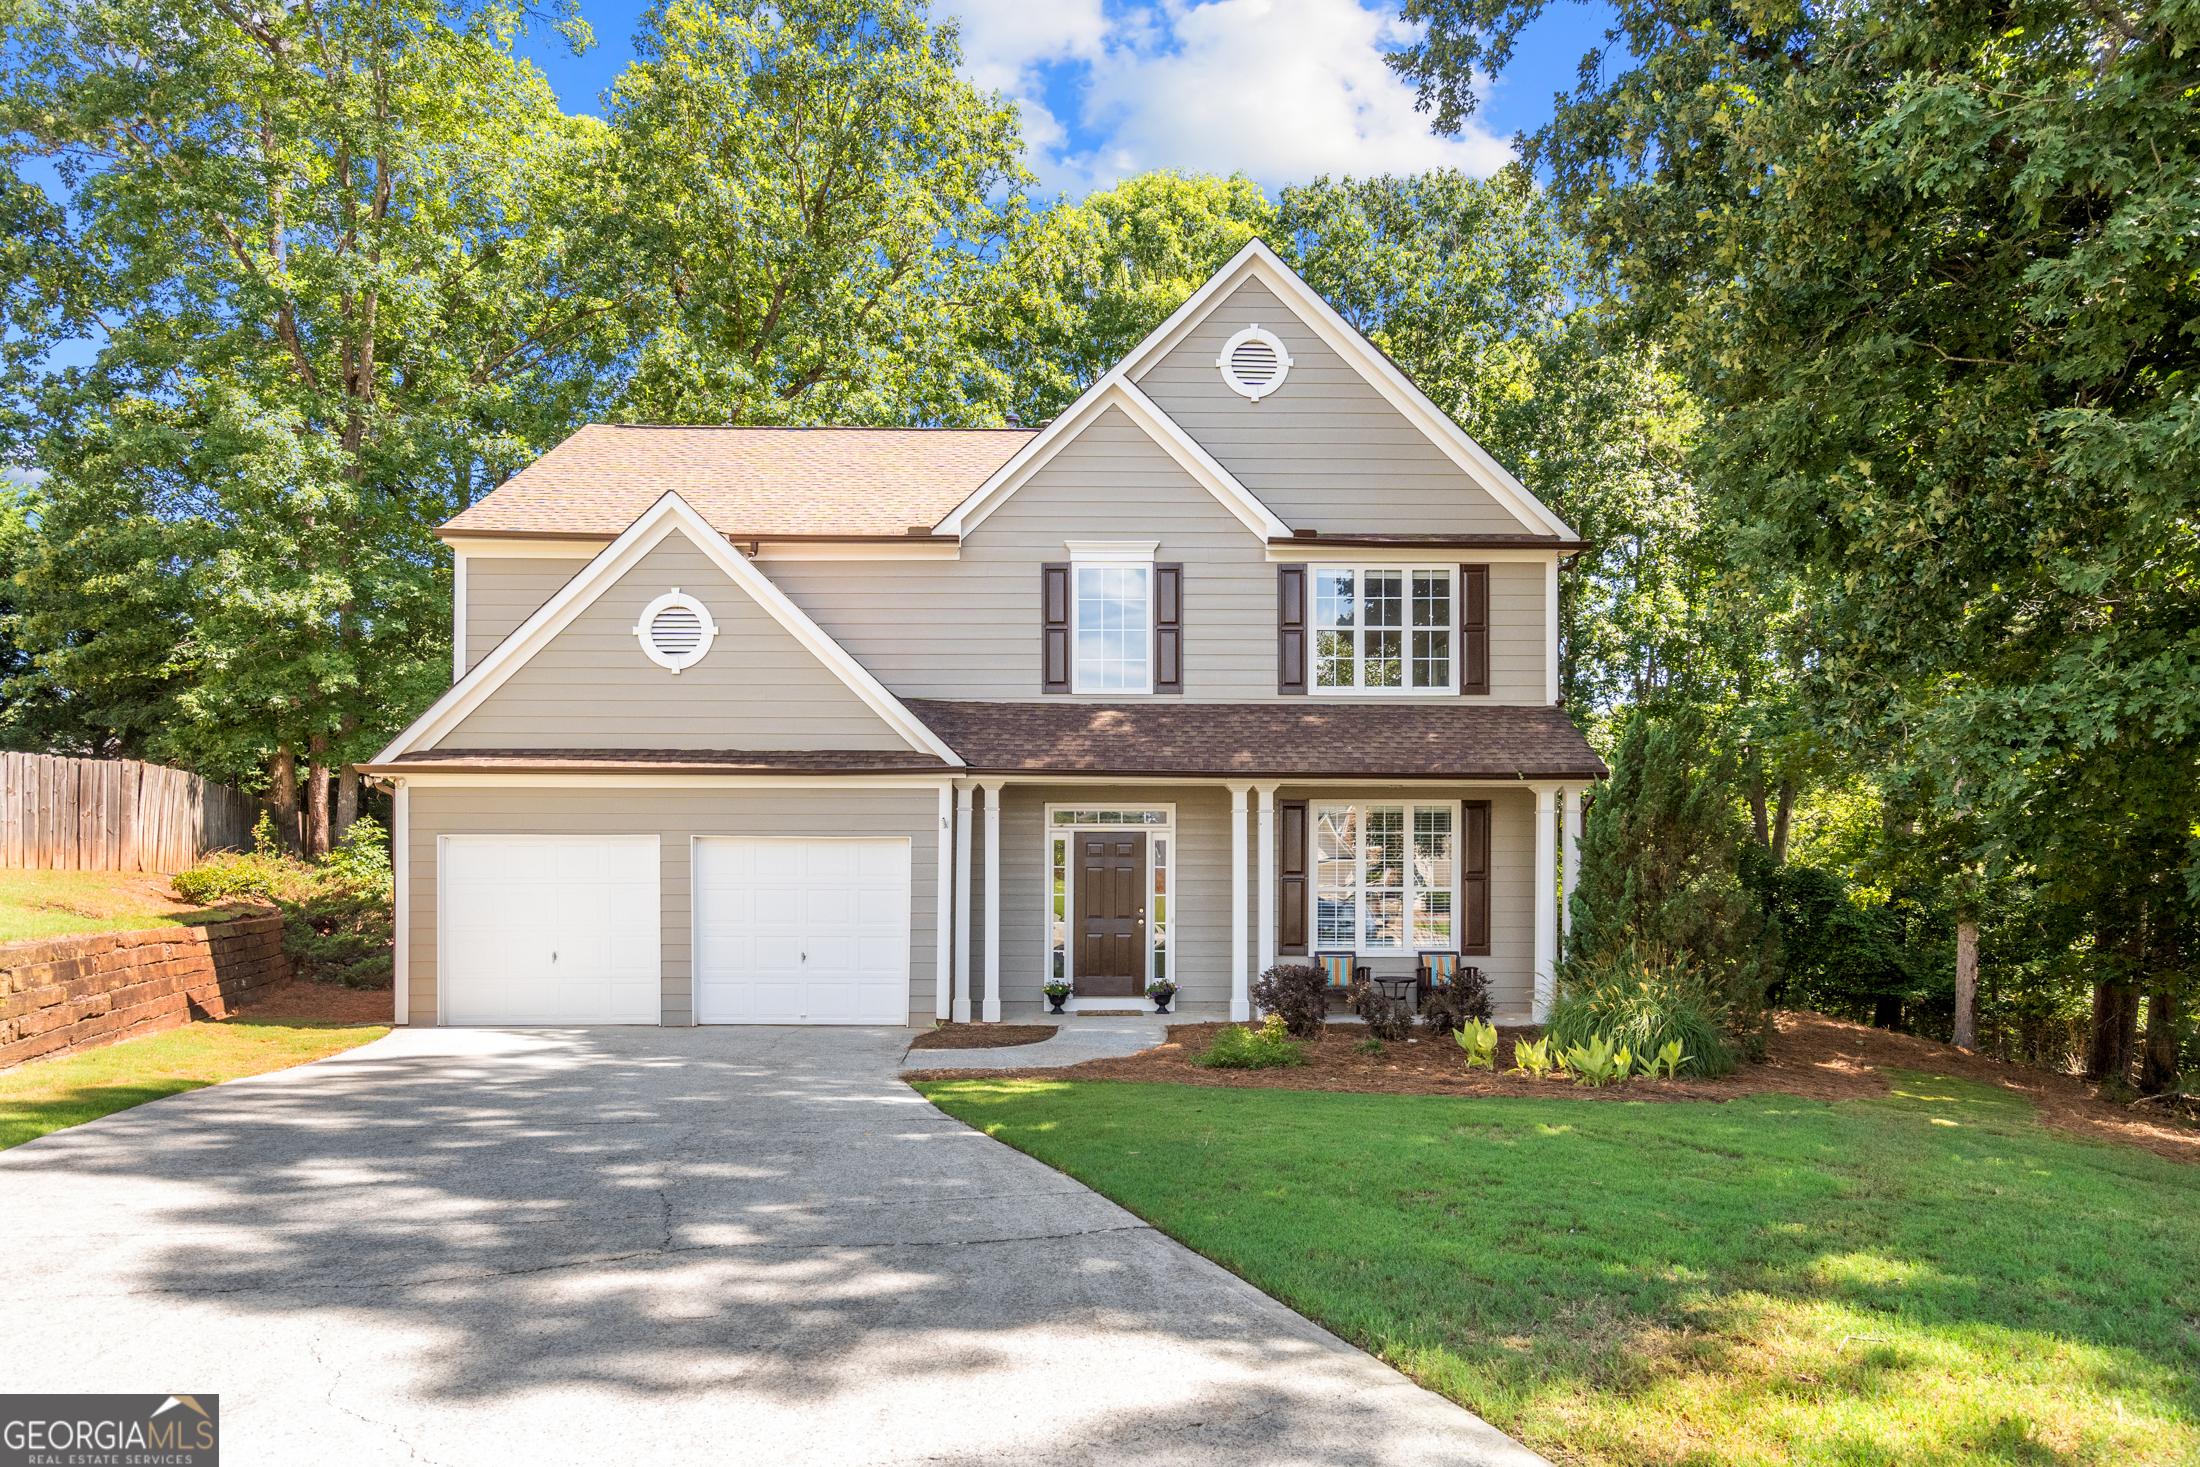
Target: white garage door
{"type": "Point", "coordinates": [550, 929]}
{"type": "Point", "coordinates": [801, 931]}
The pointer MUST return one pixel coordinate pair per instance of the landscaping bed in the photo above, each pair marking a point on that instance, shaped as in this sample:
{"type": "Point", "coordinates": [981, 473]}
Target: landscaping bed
{"type": "Point", "coordinates": [982, 1036]}
{"type": "Point", "coordinates": [41, 904]}
{"type": "Point", "coordinates": [1810, 1056]}
{"type": "Point", "coordinates": [1923, 1274]}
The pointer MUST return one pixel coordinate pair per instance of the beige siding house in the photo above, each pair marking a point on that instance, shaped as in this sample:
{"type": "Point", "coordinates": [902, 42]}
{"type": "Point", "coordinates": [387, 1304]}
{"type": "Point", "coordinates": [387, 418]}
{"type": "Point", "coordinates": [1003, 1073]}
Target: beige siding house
{"type": "Point", "coordinates": [1249, 655]}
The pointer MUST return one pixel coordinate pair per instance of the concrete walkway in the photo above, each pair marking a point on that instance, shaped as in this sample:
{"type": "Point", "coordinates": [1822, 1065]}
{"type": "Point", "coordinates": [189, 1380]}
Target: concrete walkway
{"type": "Point", "coordinates": [1077, 1038]}
{"type": "Point", "coordinates": [654, 1246]}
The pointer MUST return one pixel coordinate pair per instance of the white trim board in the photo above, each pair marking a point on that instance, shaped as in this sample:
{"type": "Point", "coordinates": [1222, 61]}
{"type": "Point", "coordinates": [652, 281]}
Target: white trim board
{"type": "Point", "coordinates": [1116, 391]}
{"type": "Point", "coordinates": [1258, 262]}
{"type": "Point", "coordinates": [526, 779]}
{"type": "Point", "coordinates": [668, 515]}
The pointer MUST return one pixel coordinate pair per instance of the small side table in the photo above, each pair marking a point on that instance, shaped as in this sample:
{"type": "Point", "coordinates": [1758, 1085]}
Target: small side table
{"type": "Point", "coordinates": [1405, 990]}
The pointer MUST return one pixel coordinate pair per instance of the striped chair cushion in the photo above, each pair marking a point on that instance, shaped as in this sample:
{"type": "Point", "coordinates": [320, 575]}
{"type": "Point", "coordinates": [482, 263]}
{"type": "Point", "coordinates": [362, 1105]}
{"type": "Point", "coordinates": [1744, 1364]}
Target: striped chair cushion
{"type": "Point", "coordinates": [1443, 968]}
{"type": "Point", "coordinates": [1338, 966]}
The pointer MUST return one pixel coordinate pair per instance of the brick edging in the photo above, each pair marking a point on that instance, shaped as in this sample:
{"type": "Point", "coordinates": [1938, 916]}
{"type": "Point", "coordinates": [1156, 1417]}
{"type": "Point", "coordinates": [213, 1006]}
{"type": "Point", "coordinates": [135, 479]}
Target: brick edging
{"type": "Point", "coordinates": [62, 994]}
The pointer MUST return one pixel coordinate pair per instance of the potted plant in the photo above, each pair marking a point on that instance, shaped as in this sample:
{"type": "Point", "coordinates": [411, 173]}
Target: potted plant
{"type": "Point", "coordinates": [1161, 992]}
{"type": "Point", "coordinates": [1056, 989]}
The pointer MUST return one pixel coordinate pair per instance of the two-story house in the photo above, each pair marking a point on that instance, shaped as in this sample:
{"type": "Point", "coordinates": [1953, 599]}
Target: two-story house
{"type": "Point", "coordinates": [1251, 653]}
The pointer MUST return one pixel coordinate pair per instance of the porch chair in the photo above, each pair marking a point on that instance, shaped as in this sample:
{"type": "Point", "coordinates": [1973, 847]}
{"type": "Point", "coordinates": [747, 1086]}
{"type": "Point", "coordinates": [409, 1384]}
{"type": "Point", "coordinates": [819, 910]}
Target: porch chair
{"type": "Point", "coordinates": [1339, 969]}
{"type": "Point", "coordinates": [1437, 973]}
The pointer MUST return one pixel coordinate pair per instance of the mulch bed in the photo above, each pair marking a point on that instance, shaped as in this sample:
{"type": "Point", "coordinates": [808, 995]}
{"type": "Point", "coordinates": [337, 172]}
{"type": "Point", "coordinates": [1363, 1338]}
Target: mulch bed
{"type": "Point", "coordinates": [326, 1002]}
{"type": "Point", "coordinates": [1811, 1056]}
{"type": "Point", "coordinates": [982, 1036]}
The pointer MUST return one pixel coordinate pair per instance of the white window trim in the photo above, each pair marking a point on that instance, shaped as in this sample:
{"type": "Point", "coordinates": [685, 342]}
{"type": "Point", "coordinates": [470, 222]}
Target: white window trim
{"type": "Point", "coordinates": [1359, 876]}
{"type": "Point", "coordinates": [676, 597]}
{"type": "Point", "coordinates": [1078, 663]}
{"type": "Point", "coordinates": [1118, 552]}
{"type": "Point", "coordinates": [1359, 662]}
{"type": "Point", "coordinates": [1047, 836]}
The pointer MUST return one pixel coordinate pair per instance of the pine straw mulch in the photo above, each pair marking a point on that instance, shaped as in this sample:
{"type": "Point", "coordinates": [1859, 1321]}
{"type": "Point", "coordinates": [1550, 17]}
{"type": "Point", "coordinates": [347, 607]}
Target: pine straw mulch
{"type": "Point", "coordinates": [325, 1002]}
{"type": "Point", "coordinates": [1811, 1056]}
{"type": "Point", "coordinates": [982, 1036]}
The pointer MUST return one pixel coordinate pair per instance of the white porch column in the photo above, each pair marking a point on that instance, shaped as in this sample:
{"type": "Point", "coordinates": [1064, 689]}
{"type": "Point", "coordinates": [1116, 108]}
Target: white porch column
{"type": "Point", "coordinates": [963, 812]}
{"type": "Point", "coordinates": [401, 875]}
{"type": "Point", "coordinates": [1570, 849]}
{"type": "Point", "coordinates": [1545, 876]}
{"type": "Point", "coordinates": [1267, 902]}
{"type": "Point", "coordinates": [1241, 1003]}
{"type": "Point", "coordinates": [992, 789]}
{"type": "Point", "coordinates": [943, 879]}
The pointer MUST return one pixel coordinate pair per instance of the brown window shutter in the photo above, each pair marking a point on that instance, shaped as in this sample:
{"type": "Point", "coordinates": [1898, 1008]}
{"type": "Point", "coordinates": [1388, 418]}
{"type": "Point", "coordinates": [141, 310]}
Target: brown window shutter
{"type": "Point", "coordinates": [1474, 629]}
{"type": "Point", "coordinates": [1474, 879]}
{"type": "Point", "coordinates": [1168, 628]}
{"type": "Point", "coordinates": [1054, 603]}
{"type": "Point", "coordinates": [1291, 874]}
{"type": "Point", "coordinates": [1290, 628]}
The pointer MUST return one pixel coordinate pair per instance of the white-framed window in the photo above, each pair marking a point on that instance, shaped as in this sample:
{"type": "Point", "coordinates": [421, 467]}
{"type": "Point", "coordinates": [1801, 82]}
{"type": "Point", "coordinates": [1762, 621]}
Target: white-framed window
{"type": "Point", "coordinates": [1063, 823]}
{"type": "Point", "coordinates": [1386, 876]}
{"type": "Point", "coordinates": [1384, 629]}
{"type": "Point", "coordinates": [1111, 626]}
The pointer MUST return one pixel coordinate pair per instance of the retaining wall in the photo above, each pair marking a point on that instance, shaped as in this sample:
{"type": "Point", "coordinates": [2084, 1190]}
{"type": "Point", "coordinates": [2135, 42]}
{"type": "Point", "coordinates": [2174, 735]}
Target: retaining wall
{"type": "Point", "coordinates": [68, 993]}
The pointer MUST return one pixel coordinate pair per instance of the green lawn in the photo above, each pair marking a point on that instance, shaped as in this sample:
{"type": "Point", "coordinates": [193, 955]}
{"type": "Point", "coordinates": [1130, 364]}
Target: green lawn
{"type": "Point", "coordinates": [43, 1097]}
{"type": "Point", "coordinates": [37, 904]}
{"type": "Point", "coordinates": [1928, 1278]}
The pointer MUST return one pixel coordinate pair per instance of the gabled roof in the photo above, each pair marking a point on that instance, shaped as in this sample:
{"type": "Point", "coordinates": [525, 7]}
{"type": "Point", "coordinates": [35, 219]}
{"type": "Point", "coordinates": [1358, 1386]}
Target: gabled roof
{"type": "Point", "coordinates": [670, 514]}
{"type": "Point", "coordinates": [1256, 261]}
{"type": "Point", "coordinates": [747, 482]}
{"type": "Point", "coordinates": [1113, 391]}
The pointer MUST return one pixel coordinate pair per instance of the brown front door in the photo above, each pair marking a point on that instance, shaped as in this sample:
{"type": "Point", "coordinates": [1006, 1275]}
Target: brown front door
{"type": "Point", "coordinates": [1111, 903]}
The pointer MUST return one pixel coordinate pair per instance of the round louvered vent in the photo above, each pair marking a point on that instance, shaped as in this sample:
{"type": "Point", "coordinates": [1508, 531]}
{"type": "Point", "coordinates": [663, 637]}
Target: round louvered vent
{"type": "Point", "coordinates": [1254, 363]}
{"type": "Point", "coordinates": [675, 630]}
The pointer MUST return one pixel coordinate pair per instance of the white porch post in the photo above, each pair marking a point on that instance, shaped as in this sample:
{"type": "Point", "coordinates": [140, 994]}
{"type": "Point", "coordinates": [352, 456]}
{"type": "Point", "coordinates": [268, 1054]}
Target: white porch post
{"type": "Point", "coordinates": [963, 812]}
{"type": "Point", "coordinates": [992, 789]}
{"type": "Point", "coordinates": [401, 874]}
{"type": "Point", "coordinates": [1241, 1003]}
{"type": "Point", "coordinates": [1570, 848]}
{"type": "Point", "coordinates": [1545, 876]}
{"type": "Point", "coordinates": [1267, 902]}
{"type": "Point", "coordinates": [943, 880]}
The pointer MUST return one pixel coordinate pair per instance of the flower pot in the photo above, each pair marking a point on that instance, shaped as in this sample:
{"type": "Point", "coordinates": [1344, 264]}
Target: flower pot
{"type": "Point", "coordinates": [1161, 1002]}
{"type": "Point", "coordinates": [1057, 999]}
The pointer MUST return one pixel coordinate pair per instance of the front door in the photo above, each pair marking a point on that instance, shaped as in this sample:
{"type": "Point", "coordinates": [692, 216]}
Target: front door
{"type": "Point", "coordinates": [1111, 901]}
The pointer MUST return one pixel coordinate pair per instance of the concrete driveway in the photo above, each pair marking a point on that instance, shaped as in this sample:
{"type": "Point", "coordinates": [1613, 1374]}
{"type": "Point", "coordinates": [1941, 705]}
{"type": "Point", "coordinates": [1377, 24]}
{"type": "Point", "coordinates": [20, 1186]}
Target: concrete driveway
{"type": "Point", "coordinates": [480, 1247]}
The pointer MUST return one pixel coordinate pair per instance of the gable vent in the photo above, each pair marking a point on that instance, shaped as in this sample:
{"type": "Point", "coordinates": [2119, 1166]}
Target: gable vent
{"type": "Point", "coordinates": [675, 631]}
{"type": "Point", "coordinates": [1254, 363]}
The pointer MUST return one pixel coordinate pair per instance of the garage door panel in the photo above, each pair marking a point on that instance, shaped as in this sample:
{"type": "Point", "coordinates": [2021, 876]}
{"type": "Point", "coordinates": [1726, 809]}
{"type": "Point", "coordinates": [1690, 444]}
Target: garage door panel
{"type": "Point", "coordinates": [801, 931]}
{"type": "Point", "coordinates": [551, 929]}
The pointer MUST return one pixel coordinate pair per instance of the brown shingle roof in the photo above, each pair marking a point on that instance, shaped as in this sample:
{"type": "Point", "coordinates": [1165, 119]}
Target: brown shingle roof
{"type": "Point", "coordinates": [1411, 740]}
{"type": "Point", "coordinates": [749, 481]}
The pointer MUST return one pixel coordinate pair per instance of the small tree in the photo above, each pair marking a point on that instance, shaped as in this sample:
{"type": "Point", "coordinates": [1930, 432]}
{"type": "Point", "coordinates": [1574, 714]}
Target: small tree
{"type": "Point", "coordinates": [1659, 863]}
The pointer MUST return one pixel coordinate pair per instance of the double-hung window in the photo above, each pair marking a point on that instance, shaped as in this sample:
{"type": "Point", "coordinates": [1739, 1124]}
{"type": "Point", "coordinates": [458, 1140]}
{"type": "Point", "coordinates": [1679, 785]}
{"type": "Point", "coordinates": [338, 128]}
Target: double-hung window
{"type": "Point", "coordinates": [1112, 607]}
{"type": "Point", "coordinates": [1383, 629]}
{"type": "Point", "coordinates": [1386, 877]}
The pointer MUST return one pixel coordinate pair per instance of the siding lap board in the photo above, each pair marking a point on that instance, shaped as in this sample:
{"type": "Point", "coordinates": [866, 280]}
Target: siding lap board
{"type": "Point", "coordinates": [502, 592]}
{"type": "Point", "coordinates": [591, 687]}
{"type": "Point", "coordinates": [1325, 451]}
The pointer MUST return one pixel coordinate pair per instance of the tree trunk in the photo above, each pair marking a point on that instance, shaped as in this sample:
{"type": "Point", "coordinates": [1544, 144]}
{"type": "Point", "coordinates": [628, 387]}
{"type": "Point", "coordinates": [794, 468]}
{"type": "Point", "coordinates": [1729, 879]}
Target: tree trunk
{"type": "Point", "coordinates": [1782, 820]}
{"type": "Point", "coordinates": [316, 832]}
{"type": "Point", "coordinates": [1966, 1035]}
{"type": "Point", "coordinates": [1757, 807]}
{"type": "Point", "coordinates": [2115, 1032]}
{"type": "Point", "coordinates": [347, 800]}
{"type": "Point", "coordinates": [1887, 1012]}
{"type": "Point", "coordinates": [282, 789]}
{"type": "Point", "coordinates": [2158, 1056]}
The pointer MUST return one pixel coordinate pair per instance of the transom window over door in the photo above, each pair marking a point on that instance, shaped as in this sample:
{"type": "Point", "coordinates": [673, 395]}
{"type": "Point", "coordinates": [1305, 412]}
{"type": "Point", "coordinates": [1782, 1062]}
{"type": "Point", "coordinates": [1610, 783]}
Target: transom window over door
{"type": "Point", "coordinates": [1386, 877]}
{"type": "Point", "coordinates": [1383, 629]}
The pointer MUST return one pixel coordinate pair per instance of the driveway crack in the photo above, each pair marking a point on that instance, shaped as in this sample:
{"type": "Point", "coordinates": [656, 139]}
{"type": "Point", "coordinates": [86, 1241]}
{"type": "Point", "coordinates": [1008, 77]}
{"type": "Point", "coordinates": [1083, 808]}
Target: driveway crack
{"type": "Point", "coordinates": [336, 1378]}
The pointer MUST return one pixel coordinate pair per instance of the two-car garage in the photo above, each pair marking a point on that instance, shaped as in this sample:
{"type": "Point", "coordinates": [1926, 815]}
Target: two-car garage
{"type": "Point", "coordinates": [575, 929]}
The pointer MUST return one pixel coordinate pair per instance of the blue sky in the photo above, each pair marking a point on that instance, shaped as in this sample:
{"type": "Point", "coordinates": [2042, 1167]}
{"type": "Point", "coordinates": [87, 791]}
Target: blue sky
{"type": "Point", "coordinates": [1280, 89]}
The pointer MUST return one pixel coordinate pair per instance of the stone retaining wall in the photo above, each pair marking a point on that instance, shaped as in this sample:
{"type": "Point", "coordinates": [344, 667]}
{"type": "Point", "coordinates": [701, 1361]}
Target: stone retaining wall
{"type": "Point", "coordinates": [69, 993]}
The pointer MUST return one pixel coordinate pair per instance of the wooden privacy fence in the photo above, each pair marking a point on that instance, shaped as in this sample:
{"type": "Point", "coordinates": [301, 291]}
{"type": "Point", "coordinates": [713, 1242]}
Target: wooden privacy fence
{"type": "Point", "coordinates": [114, 815]}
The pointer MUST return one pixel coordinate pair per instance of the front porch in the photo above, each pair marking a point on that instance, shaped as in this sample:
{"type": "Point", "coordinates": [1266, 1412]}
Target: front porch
{"type": "Point", "coordinates": [1113, 884]}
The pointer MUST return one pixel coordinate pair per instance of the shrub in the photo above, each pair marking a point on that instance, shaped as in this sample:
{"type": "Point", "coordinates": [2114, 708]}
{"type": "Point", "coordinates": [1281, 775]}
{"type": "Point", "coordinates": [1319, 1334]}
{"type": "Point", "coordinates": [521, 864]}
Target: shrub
{"type": "Point", "coordinates": [1479, 1041]}
{"type": "Point", "coordinates": [339, 916]}
{"type": "Point", "coordinates": [1599, 1061]}
{"type": "Point", "coordinates": [1642, 999]}
{"type": "Point", "coordinates": [1385, 1017]}
{"type": "Point", "coordinates": [1297, 993]}
{"type": "Point", "coordinates": [1267, 1048]}
{"type": "Point", "coordinates": [1533, 1057]}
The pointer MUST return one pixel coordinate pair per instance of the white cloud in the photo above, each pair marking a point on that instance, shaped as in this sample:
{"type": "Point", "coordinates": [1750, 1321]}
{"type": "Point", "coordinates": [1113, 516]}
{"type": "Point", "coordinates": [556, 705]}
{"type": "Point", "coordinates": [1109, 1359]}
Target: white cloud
{"type": "Point", "coordinates": [1280, 89]}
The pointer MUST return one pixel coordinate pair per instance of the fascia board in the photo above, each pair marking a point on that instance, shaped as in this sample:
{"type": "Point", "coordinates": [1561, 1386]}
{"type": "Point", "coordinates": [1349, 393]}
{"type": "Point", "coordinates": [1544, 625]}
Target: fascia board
{"type": "Point", "coordinates": [1257, 261]}
{"type": "Point", "coordinates": [669, 513]}
{"type": "Point", "coordinates": [1113, 391]}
